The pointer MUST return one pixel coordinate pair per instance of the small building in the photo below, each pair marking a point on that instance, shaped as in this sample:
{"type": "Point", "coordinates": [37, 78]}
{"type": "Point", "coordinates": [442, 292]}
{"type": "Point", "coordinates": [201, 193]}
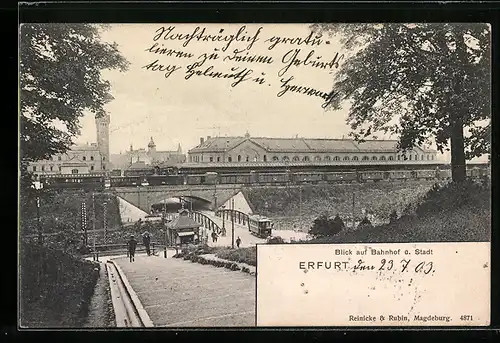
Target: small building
{"type": "Point", "coordinates": [183, 229]}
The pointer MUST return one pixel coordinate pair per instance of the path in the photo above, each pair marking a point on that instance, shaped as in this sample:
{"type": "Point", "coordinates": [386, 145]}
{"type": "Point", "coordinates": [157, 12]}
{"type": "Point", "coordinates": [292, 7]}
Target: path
{"type": "Point", "coordinates": [180, 293]}
{"type": "Point", "coordinates": [247, 239]}
{"type": "Point", "coordinates": [130, 213]}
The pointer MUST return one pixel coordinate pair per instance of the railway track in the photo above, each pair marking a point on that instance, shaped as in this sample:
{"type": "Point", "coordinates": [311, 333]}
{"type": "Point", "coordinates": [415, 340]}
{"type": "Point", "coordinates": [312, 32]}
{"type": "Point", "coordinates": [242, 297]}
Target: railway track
{"type": "Point", "coordinates": [127, 307]}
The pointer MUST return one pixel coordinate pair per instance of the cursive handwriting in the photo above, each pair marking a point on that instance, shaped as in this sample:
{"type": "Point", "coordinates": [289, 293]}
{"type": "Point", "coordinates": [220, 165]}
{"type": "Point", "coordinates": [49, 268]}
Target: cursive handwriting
{"type": "Point", "coordinates": [291, 58]}
{"type": "Point", "coordinates": [200, 35]}
{"type": "Point", "coordinates": [157, 49]}
{"type": "Point", "coordinates": [240, 75]}
{"type": "Point", "coordinates": [308, 40]}
{"type": "Point", "coordinates": [167, 69]}
{"type": "Point", "coordinates": [287, 87]}
{"type": "Point", "coordinates": [238, 56]}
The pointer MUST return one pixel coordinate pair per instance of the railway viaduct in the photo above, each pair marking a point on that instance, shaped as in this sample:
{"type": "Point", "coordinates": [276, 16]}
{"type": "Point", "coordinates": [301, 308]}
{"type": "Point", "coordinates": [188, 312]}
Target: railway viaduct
{"type": "Point", "coordinates": [210, 195]}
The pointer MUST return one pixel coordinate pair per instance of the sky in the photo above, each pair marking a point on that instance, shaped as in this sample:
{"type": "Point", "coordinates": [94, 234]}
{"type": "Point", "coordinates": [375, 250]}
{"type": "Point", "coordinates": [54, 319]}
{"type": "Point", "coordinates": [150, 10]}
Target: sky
{"type": "Point", "coordinates": [174, 110]}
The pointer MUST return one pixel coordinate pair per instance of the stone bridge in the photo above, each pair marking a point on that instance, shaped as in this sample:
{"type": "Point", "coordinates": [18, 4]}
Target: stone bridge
{"type": "Point", "coordinates": [208, 196]}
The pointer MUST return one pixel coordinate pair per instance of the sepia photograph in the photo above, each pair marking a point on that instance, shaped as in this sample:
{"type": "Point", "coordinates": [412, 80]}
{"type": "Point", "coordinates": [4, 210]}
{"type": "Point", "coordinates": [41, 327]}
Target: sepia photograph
{"type": "Point", "coordinates": [192, 175]}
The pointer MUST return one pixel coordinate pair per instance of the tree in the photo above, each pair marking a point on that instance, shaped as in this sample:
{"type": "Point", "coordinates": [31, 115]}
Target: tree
{"type": "Point", "coordinates": [324, 226]}
{"type": "Point", "coordinates": [60, 79]}
{"type": "Point", "coordinates": [434, 77]}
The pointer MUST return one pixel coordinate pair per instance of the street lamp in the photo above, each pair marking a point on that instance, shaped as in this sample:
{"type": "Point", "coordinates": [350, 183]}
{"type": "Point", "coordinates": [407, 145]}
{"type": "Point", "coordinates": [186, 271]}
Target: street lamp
{"type": "Point", "coordinates": [223, 220]}
{"type": "Point", "coordinates": [37, 185]}
{"type": "Point", "coordinates": [232, 223]}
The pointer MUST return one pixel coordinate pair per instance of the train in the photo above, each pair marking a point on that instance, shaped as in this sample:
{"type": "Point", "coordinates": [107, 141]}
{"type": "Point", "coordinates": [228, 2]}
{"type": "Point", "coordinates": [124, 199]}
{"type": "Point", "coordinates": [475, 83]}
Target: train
{"type": "Point", "coordinates": [251, 178]}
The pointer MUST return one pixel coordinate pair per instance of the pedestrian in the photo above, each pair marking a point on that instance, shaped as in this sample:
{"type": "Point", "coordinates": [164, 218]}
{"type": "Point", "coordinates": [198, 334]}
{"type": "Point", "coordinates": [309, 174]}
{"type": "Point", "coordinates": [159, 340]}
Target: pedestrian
{"type": "Point", "coordinates": [146, 240]}
{"type": "Point", "coordinates": [131, 244]}
{"type": "Point", "coordinates": [238, 241]}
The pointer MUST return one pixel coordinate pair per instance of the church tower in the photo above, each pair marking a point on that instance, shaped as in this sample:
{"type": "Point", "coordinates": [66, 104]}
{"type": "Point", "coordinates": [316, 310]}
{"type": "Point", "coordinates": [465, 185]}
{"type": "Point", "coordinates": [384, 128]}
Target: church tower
{"type": "Point", "coordinates": [152, 150]}
{"type": "Point", "coordinates": [102, 127]}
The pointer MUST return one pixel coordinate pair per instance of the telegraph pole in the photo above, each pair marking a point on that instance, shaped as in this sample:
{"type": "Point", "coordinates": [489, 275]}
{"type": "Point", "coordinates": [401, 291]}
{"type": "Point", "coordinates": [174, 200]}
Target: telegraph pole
{"type": "Point", "coordinates": [353, 219]}
{"type": "Point", "coordinates": [105, 215]}
{"type": "Point", "coordinates": [232, 223]}
{"type": "Point", "coordinates": [93, 221]}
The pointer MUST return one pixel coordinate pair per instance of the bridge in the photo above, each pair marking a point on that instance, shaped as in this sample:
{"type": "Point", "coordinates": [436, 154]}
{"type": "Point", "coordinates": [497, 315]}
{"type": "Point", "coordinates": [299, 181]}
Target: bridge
{"type": "Point", "coordinates": [207, 196]}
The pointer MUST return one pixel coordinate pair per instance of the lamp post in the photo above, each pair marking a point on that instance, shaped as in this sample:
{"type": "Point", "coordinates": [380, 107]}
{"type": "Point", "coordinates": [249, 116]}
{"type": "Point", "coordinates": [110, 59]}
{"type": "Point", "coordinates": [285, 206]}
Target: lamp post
{"type": "Point", "coordinates": [37, 185]}
{"type": "Point", "coordinates": [232, 223]}
{"type": "Point", "coordinates": [223, 220]}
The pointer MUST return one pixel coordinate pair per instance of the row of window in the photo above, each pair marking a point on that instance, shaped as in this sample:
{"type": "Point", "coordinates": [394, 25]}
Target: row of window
{"type": "Point", "coordinates": [326, 158]}
{"type": "Point", "coordinates": [84, 158]}
{"type": "Point", "coordinates": [52, 168]}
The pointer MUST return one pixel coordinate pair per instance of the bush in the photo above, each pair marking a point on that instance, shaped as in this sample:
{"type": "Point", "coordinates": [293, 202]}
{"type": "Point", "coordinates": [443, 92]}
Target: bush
{"type": "Point", "coordinates": [55, 287]}
{"type": "Point", "coordinates": [243, 255]}
{"type": "Point", "coordinates": [365, 224]}
{"type": "Point", "coordinates": [324, 226]}
{"type": "Point", "coordinates": [393, 216]}
{"type": "Point", "coordinates": [275, 240]}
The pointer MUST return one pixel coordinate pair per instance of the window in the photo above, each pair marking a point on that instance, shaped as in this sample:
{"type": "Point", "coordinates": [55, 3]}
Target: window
{"type": "Point", "coordinates": [327, 158]}
{"type": "Point", "coordinates": [410, 157]}
{"type": "Point", "coordinates": [239, 158]}
{"type": "Point", "coordinates": [211, 159]}
{"type": "Point", "coordinates": [34, 168]}
{"type": "Point", "coordinates": [306, 159]}
{"type": "Point", "coordinates": [58, 158]}
{"type": "Point", "coordinates": [74, 171]}
{"type": "Point", "coordinates": [43, 168]}
{"type": "Point", "coordinates": [247, 159]}
{"type": "Point", "coordinates": [84, 158]}
{"type": "Point", "coordinates": [355, 158]}
{"type": "Point", "coordinates": [428, 157]}
{"type": "Point", "coordinates": [230, 159]}
{"type": "Point", "coordinates": [296, 158]}
{"type": "Point", "coordinates": [60, 168]}
{"type": "Point", "coordinates": [365, 158]}
{"type": "Point", "coordinates": [421, 157]}
{"type": "Point", "coordinates": [275, 158]}
{"type": "Point", "coordinates": [432, 157]}
{"type": "Point", "coordinates": [265, 158]}
{"type": "Point", "coordinates": [51, 168]}
{"type": "Point", "coordinates": [91, 158]}
{"type": "Point", "coordinates": [382, 158]}
{"type": "Point", "coordinates": [391, 158]}
{"type": "Point", "coordinates": [374, 158]}
{"type": "Point", "coordinates": [218, 159]}
{"type": "Point", "coordinates": [346, 158]}
{"type": "Point", "coordinates": [285, 158]}
{"type": "Point", "coordinates": [416, 157]}
{"type": "Point", "coordinates": [317, 158]}
{"type": "Point", "coordinates": [399, 157]}
{"type": "Point", "coordinates": [91, 167]}
{"type": "Point", "coordinates": [103, 166]}
{"type": "Point", "coordinates": [336, 158]}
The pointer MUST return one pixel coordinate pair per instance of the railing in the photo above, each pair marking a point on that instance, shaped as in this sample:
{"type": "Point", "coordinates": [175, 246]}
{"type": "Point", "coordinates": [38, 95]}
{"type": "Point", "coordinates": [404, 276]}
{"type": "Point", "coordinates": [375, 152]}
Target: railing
{"type": "Point", "coordinates": [99, 249]}
{"type": "Point", "coordinates": [205, 220]}
{"type": "Point", "coordinates": [238, 216]}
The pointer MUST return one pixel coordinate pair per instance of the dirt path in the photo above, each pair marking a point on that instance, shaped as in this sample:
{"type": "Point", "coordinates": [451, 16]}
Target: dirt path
{"type": "Point", "coordinates": [101, 309]}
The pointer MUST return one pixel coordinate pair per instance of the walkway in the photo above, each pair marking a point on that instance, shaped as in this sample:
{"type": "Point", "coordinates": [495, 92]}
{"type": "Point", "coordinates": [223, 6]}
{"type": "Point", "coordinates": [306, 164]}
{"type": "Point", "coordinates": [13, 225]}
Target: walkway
{"type": "Point", "coordinates": [178, 293]}
{"type": "Point", "coordinates": [129, 213]}
{"type": "Point", "coordinates": [247, 239]}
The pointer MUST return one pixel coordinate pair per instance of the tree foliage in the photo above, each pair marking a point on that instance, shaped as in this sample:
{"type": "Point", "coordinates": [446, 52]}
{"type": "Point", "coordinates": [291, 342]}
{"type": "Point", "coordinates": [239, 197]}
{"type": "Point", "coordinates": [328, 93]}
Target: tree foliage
{"type": "Point", "coordinates": [418, 81]}
{"type": "Point", "coordinates": [323, 226]}
{"type": "Point", "coordinates": [60, 79]}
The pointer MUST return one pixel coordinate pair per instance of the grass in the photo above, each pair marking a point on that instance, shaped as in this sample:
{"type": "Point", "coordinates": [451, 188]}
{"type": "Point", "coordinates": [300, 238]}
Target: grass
{"type": "Point", "coordinates": [242, 255]}
{"type": "Point", "coordinates": [55, 288]}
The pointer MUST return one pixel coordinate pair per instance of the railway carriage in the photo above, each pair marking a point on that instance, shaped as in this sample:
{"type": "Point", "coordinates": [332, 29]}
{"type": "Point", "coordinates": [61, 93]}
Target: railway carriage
{"type": "Point", "coordinates": [273, 178]}
{"type": "Point", "coordinates": [73, 181]}
{"type": "Point", "coordinates": [341, 177]}
{"type": "Point", "coordinates": [371, 176]}
{"type": "Point", "coordinates": [157, 180]}
{"type": "Point", "coordinates": [308, 177]}
{"type": "Point", "coordinates": [399, 175]}
{"type": "Point", "coordinates": [260, 226]}
{"type": "Point", "coordinates": [125, 181]}
{"type": "Point", "coordinates": [193, 179]}
{"type": "Point", "coordinates": [425, 174]}
{"type": "Point", "coordinates": [234, 178]}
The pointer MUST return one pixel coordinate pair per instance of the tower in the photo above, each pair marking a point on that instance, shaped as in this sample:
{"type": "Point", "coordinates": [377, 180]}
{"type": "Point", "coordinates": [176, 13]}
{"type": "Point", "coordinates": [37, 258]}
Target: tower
{"type": "Point", "coordinates": [102, 127]}
{"type": "Point", "coordinates": [152, 149]}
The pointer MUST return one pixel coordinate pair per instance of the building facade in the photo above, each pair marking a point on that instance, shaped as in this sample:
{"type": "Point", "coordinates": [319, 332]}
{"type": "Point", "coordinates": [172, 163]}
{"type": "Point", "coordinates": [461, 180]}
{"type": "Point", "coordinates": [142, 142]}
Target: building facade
{"type": "Point", "coordinates": [260, 149]}
{"type": "Point", "coordinates": [80, 158]}
{"type": "Point", "coordinates": [149, 157]}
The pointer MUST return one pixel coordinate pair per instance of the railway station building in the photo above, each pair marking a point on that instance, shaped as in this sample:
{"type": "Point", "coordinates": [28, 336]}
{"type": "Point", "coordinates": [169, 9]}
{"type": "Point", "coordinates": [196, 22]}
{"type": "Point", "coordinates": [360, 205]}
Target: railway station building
{"type": "Point", "coordinates": [261, 149]}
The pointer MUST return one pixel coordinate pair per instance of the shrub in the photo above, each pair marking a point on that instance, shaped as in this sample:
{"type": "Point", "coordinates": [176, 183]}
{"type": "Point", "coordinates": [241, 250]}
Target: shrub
{"type": "Point", "coordinates": [324, 226]}
{"type": "Point", "coordinates": [393, 216]}
{"type": "Point", "coordinates": [365, 224]}
{"type": "Point", "coordinates": [55, 287]}
{"type": "Point", "coordinates": [275, 240]}
{"type": "Point", "coordinates": [243, 255]}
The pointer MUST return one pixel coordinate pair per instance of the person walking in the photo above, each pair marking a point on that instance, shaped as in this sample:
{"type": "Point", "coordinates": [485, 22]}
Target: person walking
{"type": "Point", "coordinates": [131, 244]}
{"type": "Point", "coordinates": [238, 242]}
{"type": "Point", "coordinates": [146, 240]}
